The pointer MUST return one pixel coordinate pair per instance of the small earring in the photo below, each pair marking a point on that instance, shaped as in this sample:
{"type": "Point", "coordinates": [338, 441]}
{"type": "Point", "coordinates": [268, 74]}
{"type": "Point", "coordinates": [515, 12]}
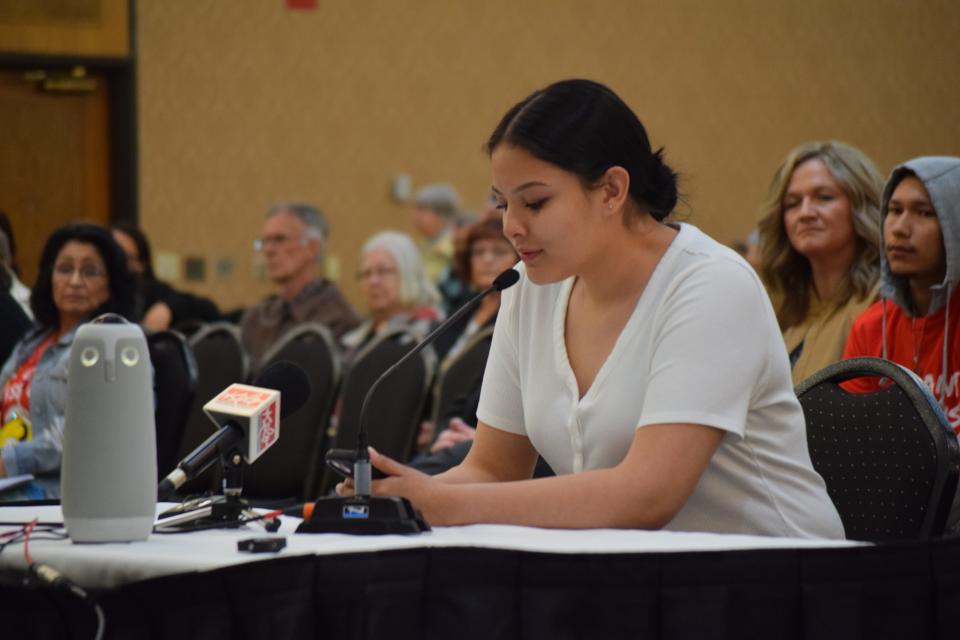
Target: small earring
{"type": "Point", "coordinates": [609, 205]}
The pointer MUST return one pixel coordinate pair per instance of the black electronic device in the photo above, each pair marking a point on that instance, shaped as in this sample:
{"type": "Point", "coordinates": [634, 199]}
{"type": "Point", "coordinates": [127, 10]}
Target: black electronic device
{"type": "Point", "coordinates": [261, 545]}
{"type": "Point", "coordinates": [363, 514]}
{"type": "Point", "coordinates": [341, 461]}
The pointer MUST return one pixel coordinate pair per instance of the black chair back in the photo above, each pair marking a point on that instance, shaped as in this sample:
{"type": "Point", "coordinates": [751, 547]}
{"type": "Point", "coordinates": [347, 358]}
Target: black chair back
{"type": "Point", "coordinates": [289, 469]}
{"type": "Point", "coordinates": [221, 361]}
{"type": "Point", "coordinates": [393, 417]}
{"type": "Point", "coordinates": [889, 457]}
{"type": "Point", "coordinates": [458, 375]}
{"type": "Point", "coordinates": [175, 382]}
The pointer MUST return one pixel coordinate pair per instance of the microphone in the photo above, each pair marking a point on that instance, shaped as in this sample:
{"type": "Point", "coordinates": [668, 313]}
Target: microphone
{"type": "Point", "coordinates": [385, 514]}
{"type": "Point", "coordinates": [248, 419]}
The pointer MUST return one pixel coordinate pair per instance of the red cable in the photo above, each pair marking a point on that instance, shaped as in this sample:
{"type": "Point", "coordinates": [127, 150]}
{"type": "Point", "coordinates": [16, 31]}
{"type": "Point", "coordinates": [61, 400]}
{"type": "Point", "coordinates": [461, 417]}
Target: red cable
{"type": "Point", "coordinates": [27, 529]}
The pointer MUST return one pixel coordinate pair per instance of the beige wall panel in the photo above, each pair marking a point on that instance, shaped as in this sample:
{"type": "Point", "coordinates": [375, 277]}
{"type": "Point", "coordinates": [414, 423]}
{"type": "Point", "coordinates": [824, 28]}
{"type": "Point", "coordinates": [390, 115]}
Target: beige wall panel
{"type": "Point", "coordinates": [245, 102]}
{"type": "Point", "coordinates": [65, 27]}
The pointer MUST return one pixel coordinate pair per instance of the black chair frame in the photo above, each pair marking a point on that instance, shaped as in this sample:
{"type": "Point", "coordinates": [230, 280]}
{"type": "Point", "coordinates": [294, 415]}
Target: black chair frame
{"type": "Point", "coordinates": [445, 388]}
{"type": "Point", "coordinates": [942, 438]}
{"type": "Point", "coordinates": [171, 413]}
{"type": "Point", "coordinates": [345, 434]}
{"type": "Point", "coordinates": [321, 402]}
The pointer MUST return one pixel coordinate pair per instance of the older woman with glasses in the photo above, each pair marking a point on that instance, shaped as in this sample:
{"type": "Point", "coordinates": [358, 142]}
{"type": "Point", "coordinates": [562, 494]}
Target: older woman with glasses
{"type": "Point", "coordinates": [83, 273]}
{"type": "Point", "coordinates": [396, 289]}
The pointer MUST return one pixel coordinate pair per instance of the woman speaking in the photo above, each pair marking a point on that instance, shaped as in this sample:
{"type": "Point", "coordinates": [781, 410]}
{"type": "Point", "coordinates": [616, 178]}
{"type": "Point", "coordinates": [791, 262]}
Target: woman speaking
{"type": "Point", "coordinates": [639, 357]}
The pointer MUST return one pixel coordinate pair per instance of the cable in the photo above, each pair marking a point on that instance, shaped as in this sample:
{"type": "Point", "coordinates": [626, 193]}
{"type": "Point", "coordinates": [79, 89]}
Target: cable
{"type": "Point", "coordinates": [219, 524]}
{"type": "Point", "coordinates": [47, 575]}
{"type": "Point", "coordinates": [16, 537]}
{"type": "Point", "coordinates": [26, 541]}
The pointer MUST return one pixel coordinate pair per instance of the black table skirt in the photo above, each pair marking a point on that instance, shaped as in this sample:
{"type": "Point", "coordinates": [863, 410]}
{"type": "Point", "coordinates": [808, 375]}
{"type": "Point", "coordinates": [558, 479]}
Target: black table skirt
{"type": "Point", "coordinates": [907, 590]}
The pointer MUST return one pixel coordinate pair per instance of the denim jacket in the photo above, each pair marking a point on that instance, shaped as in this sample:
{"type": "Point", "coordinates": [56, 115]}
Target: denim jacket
{"type": "Point", "coordinates": [48, 400]}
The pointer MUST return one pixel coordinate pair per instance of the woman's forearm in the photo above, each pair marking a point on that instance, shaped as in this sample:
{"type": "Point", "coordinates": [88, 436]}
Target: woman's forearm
{"type": "Point", "coordinates": [594, 499]}
{"type": "Point", "coordinates": [646, 490]}
{"type": "Point", "coordinates": [495, 456]}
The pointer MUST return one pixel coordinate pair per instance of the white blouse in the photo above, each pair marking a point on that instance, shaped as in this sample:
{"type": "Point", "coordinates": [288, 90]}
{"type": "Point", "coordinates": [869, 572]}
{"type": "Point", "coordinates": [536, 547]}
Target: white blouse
{"type": "Point", "coordinates": [701, 347]}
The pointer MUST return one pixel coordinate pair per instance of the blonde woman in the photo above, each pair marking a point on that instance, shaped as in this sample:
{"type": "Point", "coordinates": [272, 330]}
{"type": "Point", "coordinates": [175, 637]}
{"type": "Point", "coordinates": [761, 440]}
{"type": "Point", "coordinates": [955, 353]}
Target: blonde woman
{"type": "Point", "coordinates": [819, 239]}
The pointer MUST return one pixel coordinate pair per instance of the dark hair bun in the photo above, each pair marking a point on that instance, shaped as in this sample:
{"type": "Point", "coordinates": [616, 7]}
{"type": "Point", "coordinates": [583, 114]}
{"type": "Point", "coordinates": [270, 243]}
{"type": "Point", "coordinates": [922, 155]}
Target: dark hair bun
{"type": "Point", "coordinates": [662, 195]}
{"type": "Point", "coordinates": [585, 128]}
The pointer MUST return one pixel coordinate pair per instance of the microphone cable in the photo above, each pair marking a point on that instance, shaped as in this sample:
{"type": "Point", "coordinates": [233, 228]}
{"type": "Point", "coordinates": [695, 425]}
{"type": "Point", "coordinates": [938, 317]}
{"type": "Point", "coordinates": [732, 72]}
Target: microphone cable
{"type": "Point", "coordinates": [46, 575]}
{"type": "Point", "coordinates": [270, 519]}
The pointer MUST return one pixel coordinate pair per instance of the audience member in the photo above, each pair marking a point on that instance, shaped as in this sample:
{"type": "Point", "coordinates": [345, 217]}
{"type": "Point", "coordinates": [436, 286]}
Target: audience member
{"type": "Point", "coordinates": [293, 241]}
{"type": "Point", "coordinates": [749, 248]}
{"type": "Point", "coordinates": [605, 358]}
{"type": "Point", "coordinates": [819, 239]}
{"type": "Point", "coordinates": [917, 321]}
{"type": "Point", "coordinates": [82, 274]}
{"type": "Point", "coordinates": [485, 255]}
{"type": "Point", "coordinates": [7, 228]}
{"type": "Point", "coordinates": [158, 306]}
{"type": "Point", "coordinates": [436, 216]}
{"type": "Point", "coordinates": [397, 291]}
{"type": "Point", "coordinates": [13, 321]}
{"type": "Point", "coordinates": [8, 259]}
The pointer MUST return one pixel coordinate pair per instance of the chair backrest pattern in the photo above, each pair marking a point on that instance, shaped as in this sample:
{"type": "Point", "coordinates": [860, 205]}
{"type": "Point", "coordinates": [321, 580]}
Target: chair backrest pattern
{"type": "Point", "coordinates": [175, 383]}
{"type": "Point", "coordinates": [889, 458]}
{"type": "Point", "coordinates": [394, 413]}
{"type": "Point", "coordinates": [457, 374]}
{"type": "Point", "coordinates": [221, 361]}
{"type": "Point", "coordinates": [290, 468]}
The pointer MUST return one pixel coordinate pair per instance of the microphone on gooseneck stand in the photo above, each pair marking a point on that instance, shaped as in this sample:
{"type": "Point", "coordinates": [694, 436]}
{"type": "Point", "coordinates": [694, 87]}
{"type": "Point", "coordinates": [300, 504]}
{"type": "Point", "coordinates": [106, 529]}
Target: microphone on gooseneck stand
{"type": "Point", "coordinates": [248, 418]}
{"type": "Point", "coordinates": [362, 513]}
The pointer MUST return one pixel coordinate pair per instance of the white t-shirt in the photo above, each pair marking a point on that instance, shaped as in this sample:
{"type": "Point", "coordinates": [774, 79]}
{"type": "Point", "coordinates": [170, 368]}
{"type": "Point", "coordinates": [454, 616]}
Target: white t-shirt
{"type": "Point", "coordinates": [702, 347]}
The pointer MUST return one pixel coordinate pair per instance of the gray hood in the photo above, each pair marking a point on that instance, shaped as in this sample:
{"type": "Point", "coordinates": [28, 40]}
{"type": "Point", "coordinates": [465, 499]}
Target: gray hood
{"type": "Point", "coordinates": [941, 177]}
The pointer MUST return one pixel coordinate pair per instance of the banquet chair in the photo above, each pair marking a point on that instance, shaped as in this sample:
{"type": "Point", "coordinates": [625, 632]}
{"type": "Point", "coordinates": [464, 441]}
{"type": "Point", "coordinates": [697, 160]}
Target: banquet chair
{"type": "Point", "coordinates": [175, 382]}
{"type": "Point", "coordinates": [394, 413]}
{"type": "Point", "coordinates": [221, 361]}
{"type": "Point", "coordinates": [289, 469]}
{"type": "Point", "coordinates": [889, 457]}
{"type": "Point", "coordinates": [458, 375]}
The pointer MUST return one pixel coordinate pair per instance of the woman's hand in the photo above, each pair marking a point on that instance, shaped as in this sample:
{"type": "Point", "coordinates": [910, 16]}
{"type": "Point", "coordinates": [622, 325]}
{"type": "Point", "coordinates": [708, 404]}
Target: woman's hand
{"type": "Point", "coordinates": [456, 431]}
{"type": "Point", "coordinates": [420, 489]}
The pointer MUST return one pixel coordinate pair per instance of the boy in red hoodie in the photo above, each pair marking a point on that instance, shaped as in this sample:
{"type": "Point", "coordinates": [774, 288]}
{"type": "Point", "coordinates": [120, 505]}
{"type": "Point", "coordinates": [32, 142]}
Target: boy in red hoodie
{"type": "Point", "coordinates": [917, 322]}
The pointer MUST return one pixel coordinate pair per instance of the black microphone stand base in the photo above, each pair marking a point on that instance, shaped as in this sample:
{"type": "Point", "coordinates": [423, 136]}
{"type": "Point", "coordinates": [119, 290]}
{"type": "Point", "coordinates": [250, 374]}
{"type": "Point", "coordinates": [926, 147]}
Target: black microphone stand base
{"type": "Point", "coordinates": [364, 516]}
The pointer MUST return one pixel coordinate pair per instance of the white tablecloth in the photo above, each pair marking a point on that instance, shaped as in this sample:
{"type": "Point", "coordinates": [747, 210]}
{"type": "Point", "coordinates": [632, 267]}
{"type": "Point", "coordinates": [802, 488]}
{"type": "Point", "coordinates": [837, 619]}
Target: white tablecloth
{"type": "Point", "coordinates": [110, 565]}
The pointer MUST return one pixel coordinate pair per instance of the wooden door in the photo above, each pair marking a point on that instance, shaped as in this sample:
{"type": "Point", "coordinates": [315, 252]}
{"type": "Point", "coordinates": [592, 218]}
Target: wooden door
{"type": "Point", "coordinates": [54, 156]}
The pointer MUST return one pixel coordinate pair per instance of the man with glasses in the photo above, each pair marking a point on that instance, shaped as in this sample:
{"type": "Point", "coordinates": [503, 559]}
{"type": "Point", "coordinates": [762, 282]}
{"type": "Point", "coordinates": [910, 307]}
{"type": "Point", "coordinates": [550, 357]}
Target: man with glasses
{"type": "Point", "coordinates": [292, 244]}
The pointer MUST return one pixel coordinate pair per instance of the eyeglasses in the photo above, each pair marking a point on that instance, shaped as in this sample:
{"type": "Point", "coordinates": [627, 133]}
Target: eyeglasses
{"type": "Point", "coordinates": [262, 243]}
{"type": "Point", "coordinates": [379, 273]}
{"type": "Point", "coordinates": [498, 250]}
{"type": "Point", "coordinates": [87, 272]}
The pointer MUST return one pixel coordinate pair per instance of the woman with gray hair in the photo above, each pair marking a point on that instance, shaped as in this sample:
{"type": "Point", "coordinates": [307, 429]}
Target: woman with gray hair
{"type": "Point", "coordinates": [396, 289]}
{"type": "Point", "coordinates": [819, 243]}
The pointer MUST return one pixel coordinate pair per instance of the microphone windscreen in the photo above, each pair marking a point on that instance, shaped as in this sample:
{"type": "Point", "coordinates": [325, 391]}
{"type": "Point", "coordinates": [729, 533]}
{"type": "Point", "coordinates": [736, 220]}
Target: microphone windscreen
{"type": "Point", "coordinates": [506, 279]}
{"type": "Point", "coordinates": [290, 380]}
